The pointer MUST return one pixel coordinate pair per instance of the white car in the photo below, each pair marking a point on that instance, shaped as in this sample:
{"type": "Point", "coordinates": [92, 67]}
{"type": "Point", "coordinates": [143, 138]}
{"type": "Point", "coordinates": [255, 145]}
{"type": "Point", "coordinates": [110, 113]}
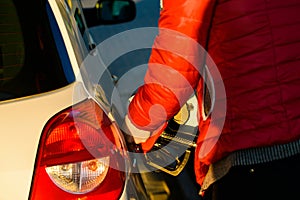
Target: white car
{"type": "Point", "coordinates": [58, 140]}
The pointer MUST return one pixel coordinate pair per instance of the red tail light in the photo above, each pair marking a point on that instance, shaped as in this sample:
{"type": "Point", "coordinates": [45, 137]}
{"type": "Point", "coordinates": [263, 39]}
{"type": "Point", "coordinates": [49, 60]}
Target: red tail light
{"type": "Point", "coordinates": [80, 156]}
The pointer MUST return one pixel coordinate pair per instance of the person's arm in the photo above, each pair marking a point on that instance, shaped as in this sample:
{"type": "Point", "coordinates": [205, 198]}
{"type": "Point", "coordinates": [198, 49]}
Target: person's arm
{"type": "Point", "coordinates": [175, 63]}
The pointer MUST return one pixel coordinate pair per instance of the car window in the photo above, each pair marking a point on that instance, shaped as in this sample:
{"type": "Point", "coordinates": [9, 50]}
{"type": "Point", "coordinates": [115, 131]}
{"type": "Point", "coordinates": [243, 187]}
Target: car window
{"type": "Point", "coordinates": [29, 61]}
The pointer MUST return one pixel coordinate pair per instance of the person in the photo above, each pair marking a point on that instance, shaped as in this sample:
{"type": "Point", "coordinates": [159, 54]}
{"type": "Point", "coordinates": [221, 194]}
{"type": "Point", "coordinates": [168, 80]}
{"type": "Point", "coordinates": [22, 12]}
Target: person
{"type": "Point", "coordinates": [255, 46]}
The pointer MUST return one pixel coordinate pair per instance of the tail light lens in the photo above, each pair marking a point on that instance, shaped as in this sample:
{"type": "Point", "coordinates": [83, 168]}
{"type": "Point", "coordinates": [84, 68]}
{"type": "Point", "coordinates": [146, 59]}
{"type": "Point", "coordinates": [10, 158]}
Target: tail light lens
{"type": "Point", "coordinates": [81, 156]}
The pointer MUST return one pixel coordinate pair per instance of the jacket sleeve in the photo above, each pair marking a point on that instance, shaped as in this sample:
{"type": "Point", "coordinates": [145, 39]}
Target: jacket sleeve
{"type": "Point", "coordinates": [174, 67]}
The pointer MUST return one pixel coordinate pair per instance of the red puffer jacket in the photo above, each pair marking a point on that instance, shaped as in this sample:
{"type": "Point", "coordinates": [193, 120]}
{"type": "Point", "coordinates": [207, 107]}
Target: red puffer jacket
{"type": "Point", "coordinates": [255, 45]}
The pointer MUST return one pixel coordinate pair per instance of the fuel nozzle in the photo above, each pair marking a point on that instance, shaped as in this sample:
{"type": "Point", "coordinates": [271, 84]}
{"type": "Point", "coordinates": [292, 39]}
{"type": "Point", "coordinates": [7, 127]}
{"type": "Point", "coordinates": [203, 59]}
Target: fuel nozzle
{"type": "Point", "coordinates": [172, 149]}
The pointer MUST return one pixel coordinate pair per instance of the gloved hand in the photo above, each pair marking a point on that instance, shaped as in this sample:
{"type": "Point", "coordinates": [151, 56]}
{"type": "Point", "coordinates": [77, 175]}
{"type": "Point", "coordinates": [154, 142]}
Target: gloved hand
{"type": "Point", "coordinates": [145, 138]}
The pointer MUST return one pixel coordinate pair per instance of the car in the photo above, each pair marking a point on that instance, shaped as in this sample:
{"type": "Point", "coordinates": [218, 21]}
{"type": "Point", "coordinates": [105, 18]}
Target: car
{"type": "Point", "coordinates": [59, 138]}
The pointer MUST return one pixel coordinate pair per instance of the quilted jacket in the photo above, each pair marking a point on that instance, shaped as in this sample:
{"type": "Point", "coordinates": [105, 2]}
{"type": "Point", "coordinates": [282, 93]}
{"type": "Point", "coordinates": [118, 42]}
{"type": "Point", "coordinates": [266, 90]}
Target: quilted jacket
{"type": "Point", "coordinates": [253, 52]}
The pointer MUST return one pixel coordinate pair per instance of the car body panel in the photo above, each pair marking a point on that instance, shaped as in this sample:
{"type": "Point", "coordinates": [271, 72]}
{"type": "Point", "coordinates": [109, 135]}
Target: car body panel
{"type": "Point", "coordinates": [21, 126]}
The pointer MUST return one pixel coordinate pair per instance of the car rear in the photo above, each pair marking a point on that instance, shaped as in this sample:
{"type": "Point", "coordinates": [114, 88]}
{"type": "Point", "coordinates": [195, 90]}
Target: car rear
{"type": "Point", "coordinates": [56, 140]}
